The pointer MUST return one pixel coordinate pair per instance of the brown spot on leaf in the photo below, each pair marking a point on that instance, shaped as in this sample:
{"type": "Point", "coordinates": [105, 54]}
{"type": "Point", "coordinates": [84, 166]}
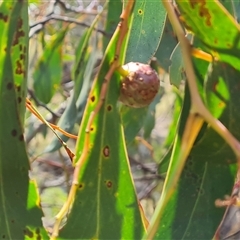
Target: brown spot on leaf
{"type": "Point", "coordinates": [109, 108]}
{"type": "Point", "coordinates": [92, 98]}
{"type": "Point", "coordinates": [109, 184]}
{"type": "Point", "coordinates": [19, 70]}
{"type": "Point", "coordinates": [19, 99]}
{"type": "Point", "coordinates": [140, 11]}
{"type": "Point", "coordinates": [18, 88]}
{"type": "Point", "coordinates": [14, 133]}
{"type": "Point", "coordinates": [3, 17]}
{"type": "Point", "coordinates": [21, 138]}
{"type": "Point", "coordinates": [106, 151]}
{"type": "Point", "coordinates": [9, 86]}
{"type": "Point", "coordinates": [203, 10]}
{"type": "Point", "coordinates": [80, 186]}
{"type": "Point", "coordinates": [3, 236]}
{"type": "Point", "coordinates": [28, 232]}
{"type": "Point", "coordinates": [19, 33]}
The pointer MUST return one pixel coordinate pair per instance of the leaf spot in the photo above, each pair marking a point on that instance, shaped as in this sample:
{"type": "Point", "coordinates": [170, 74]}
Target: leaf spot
{"type": "Point", "coordinates": [203, 10]}
{"type": "Point", "coordinates": [92, 98]}
{"type": "Point", "coordinates": [81, 186]}
{"type": "Point", "coordinates": [140, 12]}
{"type": "Point", "coordinates": [18, 88]}
{"type": "Point", "coordinates": [37, 231]}
{"type": "Point", "coordinates": [19, 33]}
{"type": "Point", "coordinates": [109, 108]}
{"type": "Point", "coordinates": [109, 184]}
{"type": "Point", "coordinates": [21, 138]}
{"type": "Point", "coordinates": [9, 86]}
{"type": "Point", "coordinates": [106, 151]}
{"type": "Point", "coordinates": [3, 17]}
{"type": "Point", "coordinates": [14, 133]}
{"type": "Point", "coordinates": [28, 233]}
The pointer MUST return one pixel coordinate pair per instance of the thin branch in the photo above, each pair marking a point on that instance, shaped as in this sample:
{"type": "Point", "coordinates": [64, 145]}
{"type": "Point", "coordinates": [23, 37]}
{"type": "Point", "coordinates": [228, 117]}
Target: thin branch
{"type": "Point", "coordinates": [143, 166]}
{"type": "Point", "coordinates": [80, 9]}
{"type": "Point", "coordinates": [38, 26]}
{"type": "Point", "coordinates": [38, 103]}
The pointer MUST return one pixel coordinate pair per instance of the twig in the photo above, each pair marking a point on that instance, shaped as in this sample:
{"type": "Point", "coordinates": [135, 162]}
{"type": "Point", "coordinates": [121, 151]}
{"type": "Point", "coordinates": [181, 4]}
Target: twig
{"type": "Point", "coordinates": [38, 26]}
{"type": "Point", "coordinates": [38, 103]}
{"type": "Point", "coordinates": [149, 178]}
{"type": "Point", "coordinates": [80, 9]}
{"type": "Point", "coordinates": [143, 166]}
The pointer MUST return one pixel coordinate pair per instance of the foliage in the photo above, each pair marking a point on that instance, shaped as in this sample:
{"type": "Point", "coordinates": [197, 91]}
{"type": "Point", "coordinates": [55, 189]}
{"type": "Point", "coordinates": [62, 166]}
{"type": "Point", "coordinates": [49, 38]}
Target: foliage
{"type": "Point", "coordinates": [74, 57]}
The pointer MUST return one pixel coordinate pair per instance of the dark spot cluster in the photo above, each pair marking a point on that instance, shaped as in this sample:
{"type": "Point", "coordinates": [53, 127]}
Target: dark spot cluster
{"type": "Point", "coordinates": [19, 33]}
{"type": "Point", "coordinates": [203, 10]}
{"type": "Point", "coordinates": [19, 69]}
{"type": "Point", "coordinates": [14, 134]}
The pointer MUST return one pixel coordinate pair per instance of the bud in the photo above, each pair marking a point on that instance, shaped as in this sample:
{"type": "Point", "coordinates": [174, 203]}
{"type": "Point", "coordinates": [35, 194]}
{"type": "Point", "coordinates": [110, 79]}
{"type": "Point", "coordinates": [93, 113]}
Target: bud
{"type": "Point", "coordinates": [139, 85]}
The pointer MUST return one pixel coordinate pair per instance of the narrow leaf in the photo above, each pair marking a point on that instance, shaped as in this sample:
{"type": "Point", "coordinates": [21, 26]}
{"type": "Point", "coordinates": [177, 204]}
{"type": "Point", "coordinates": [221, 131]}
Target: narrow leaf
{"type": "Point", "coordinates": [147, 27]}
{"type": "Point", "coordinates": [19, 201]}
{"type": "Point", "coordinates": [47, 75]}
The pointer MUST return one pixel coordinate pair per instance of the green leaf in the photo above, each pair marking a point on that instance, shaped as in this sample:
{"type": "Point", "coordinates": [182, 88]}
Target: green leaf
{"type": "Point", "coordinates": [233, 6]}
{"type": "Point", "coordinates": [176, 70]}
{"type": "Point", "coordinates": [145, 34]}
{"type": "Point", "coordinates": [147, 27]}
{"type": "Point", "coordinates": [19, 201]}
{"type": "Point", "coordinates": [85, 59]}
{"type": "Point", "coordinates": [47, 75]}
{"type": "Point", "coordinates": [113, 13]}
{"type": "Point", "coordinates": [215, 27]}
{"type": "Point", "coordinates": [210, 168]}
{"type": "Point", "coordinates": [133, 120]}
{"type": "Point", "coordinates": [167, 44]}
{"type": "Point", "coordinates": [105, 205]}
{"type": "Point", "coordinates": [82, 72]}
